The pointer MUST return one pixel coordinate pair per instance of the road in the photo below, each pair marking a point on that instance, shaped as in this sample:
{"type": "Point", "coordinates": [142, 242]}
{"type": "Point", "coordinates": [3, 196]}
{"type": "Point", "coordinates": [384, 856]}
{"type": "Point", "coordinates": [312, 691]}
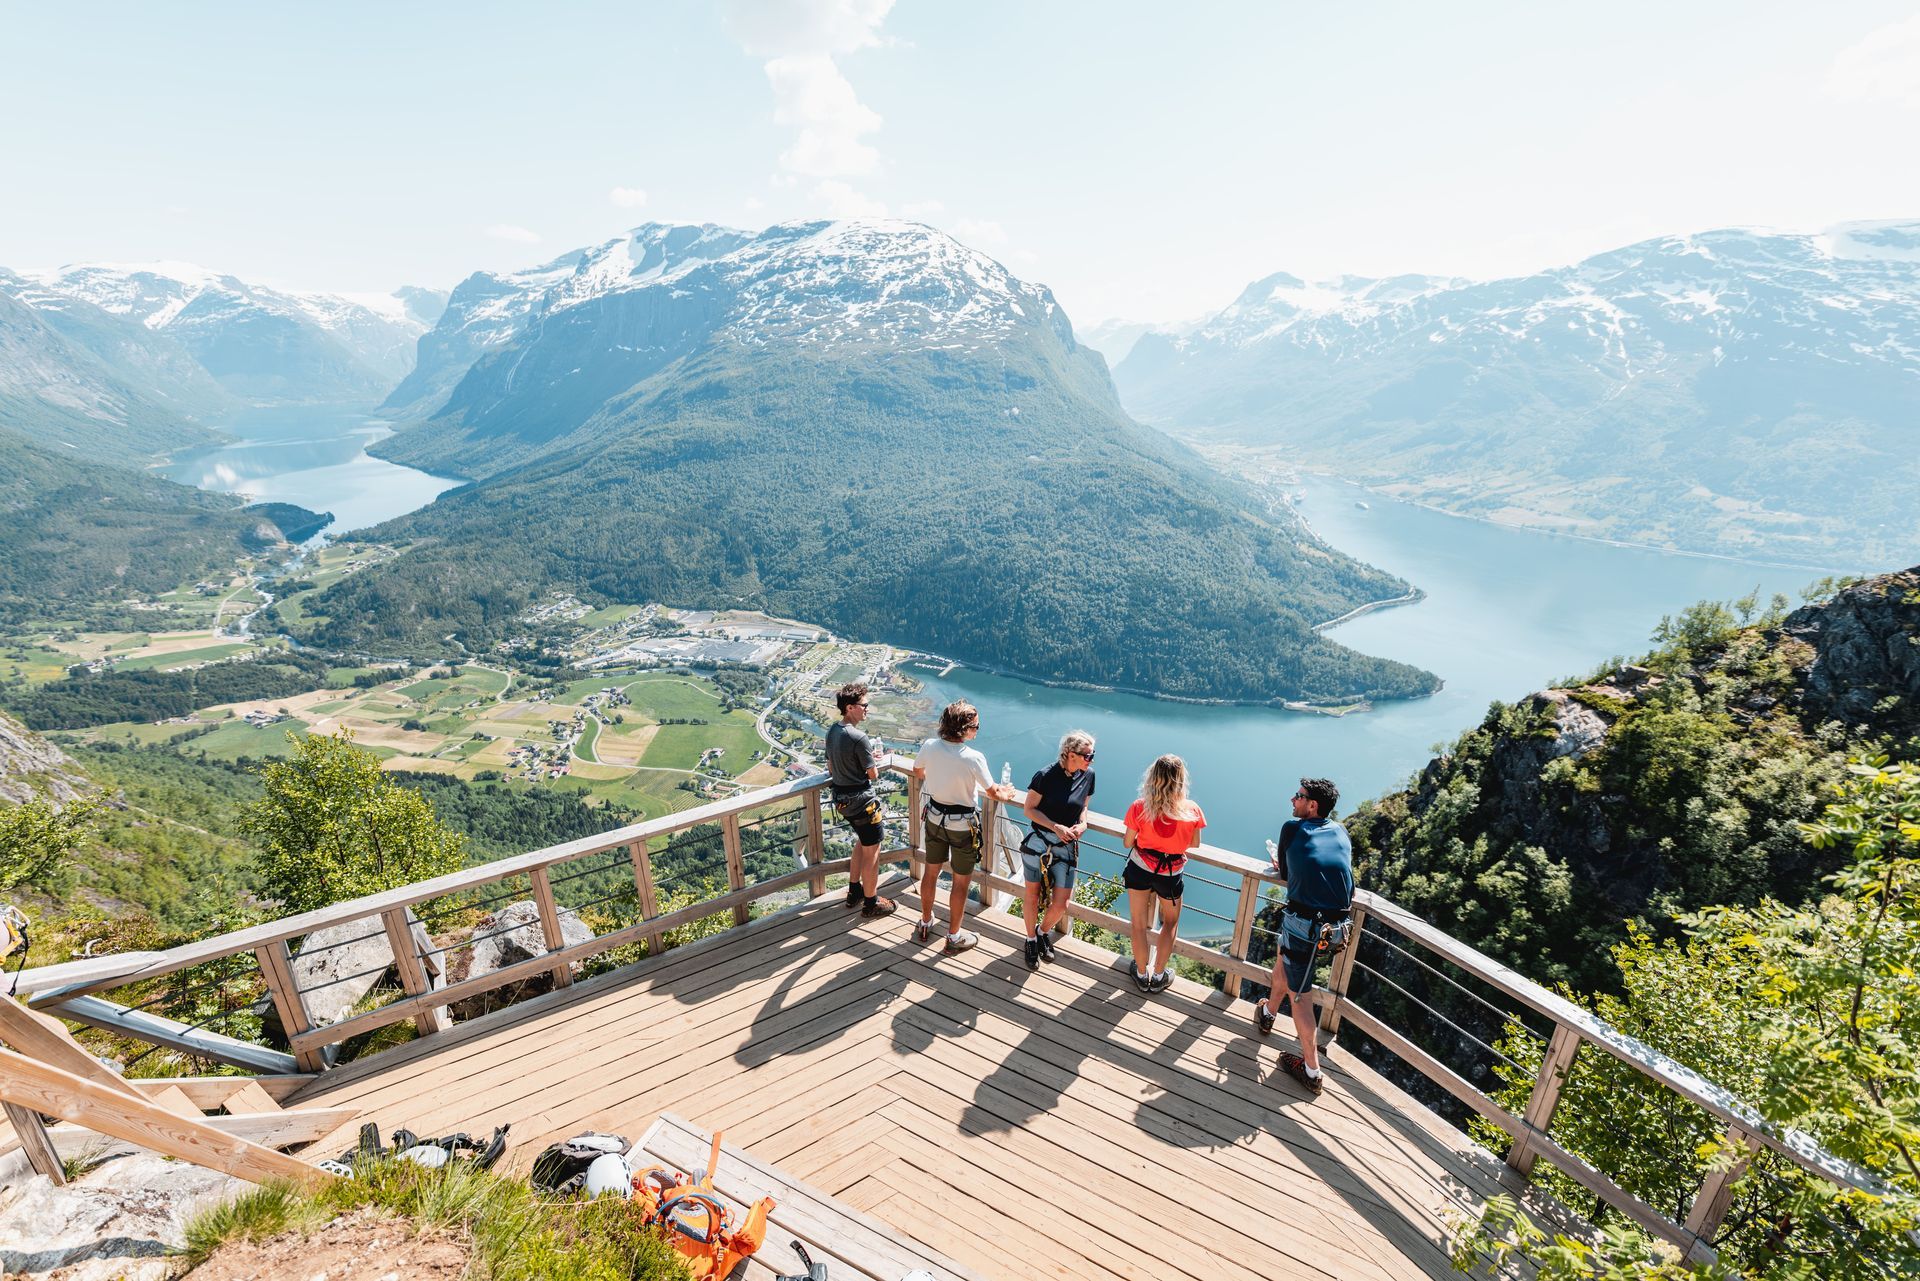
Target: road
{"type": "Point", "coordinates": [766, 736]}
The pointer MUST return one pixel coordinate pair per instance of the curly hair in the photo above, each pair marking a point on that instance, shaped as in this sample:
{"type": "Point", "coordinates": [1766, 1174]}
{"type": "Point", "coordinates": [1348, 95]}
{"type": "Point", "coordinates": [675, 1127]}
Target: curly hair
{"type": "Point", "coordinates": [1164, 789]}
{"type": "Point", "coordinates": [1075, 741]}
{"type": "Point", "coordinates": [957, 719]}
{"type": "Point", "coordinates": [1321, 792]}
{"type": "Point", "coordinates": [849, 694]}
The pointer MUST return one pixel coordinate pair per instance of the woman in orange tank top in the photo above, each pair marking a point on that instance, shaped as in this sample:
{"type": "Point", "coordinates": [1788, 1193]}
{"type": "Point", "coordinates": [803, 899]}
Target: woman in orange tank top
{"type": "Point", "coordinates": [1163, 827]}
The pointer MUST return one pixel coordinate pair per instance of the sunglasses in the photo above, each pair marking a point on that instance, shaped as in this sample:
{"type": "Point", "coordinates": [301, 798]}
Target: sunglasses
{"type": "Point", "coordinates": [1085, 756]}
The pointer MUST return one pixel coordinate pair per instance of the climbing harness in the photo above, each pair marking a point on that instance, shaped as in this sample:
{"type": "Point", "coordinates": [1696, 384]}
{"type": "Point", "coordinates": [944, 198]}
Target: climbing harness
{"type": "Point", "coordinates": [1049, 849]}
{"type": "Point", "coordinates": [953, 818]}
{"type": "Point", "coordinates": [860, 808]}
{"type": "Point", "coordinates": [1311, 933]}
{"type": "Point", "coordinates": [410, 1147]}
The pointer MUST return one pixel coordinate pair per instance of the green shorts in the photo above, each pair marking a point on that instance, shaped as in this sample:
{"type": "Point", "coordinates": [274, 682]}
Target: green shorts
{"type": "Point", "coordinates": [960, 846]}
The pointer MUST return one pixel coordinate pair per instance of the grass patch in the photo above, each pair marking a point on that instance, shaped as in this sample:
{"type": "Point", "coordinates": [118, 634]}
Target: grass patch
{"type": "Point", "coordinates": [181, 658]}
{"type": "Point", "coordinates": [679, 746]}
{"type": "Point", "coordinates": [515, 1234]}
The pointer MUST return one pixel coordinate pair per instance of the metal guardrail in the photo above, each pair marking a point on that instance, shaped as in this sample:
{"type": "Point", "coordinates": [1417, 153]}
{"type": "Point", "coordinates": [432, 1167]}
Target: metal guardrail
{"type": "Point", "coordinates": [60, 988]}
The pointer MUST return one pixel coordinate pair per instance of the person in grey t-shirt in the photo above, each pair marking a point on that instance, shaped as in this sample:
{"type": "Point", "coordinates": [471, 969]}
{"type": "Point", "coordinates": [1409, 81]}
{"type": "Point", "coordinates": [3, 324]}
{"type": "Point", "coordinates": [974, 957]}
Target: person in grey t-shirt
{"type": "Point", "coordinates": [852, 768]}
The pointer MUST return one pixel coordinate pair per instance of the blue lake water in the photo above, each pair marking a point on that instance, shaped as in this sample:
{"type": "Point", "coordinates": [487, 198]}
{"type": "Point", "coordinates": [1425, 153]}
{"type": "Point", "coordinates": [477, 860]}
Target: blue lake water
{"type": "Point", "coordinates": [1506, 612]}
{"type": "Point", "coordinates": [315, 457]}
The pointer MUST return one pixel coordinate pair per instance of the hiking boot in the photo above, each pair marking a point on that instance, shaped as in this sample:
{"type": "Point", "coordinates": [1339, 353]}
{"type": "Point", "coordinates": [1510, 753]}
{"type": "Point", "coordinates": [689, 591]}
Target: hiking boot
{"type": "Point", "coordinates": [1139, 979]}
{"type": "Point", "coordinates": [1033, 954]}
{"type": "Point", "coordinates": [923, 931]}
{"type": "Point", "coordinates": [961, 942]}
{"type": "Point", "coordinates": [1263, 1018]}
{"type": "Point", "coordinates": [1161, 981]}
{"type": "Point", "coordinates": [877, 907]}
{"type": "Point", "coordinates": [1045, 942]}
{"type": "Point", "coordinates": [1297, 1069]}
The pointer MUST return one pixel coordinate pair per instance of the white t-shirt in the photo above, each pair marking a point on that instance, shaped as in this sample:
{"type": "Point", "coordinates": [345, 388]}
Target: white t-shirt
{"type": "Point", "coordinates": [955, 772]}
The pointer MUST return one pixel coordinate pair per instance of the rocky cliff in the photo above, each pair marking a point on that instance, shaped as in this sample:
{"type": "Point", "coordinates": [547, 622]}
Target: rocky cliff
{"type": "Point", "coordinates": [32, 767]}
{"type": "Point", "coordinates": [1655, 787]}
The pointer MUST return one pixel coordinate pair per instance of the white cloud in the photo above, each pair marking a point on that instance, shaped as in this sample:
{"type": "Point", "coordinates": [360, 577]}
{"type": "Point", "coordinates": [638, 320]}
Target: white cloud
{"type": "Point", "coordinates": [774, 28]}
{"type": "Point", "coordinates": [979, 231]}
{"type": "Point", "coordinates": [841, 200]}
{"type": "Point", "coordinates": [519, 235]}
{"type": "Point", "coordinates": [811, 97]}
{"type": "Point", "coordinates": [1884, 67]}
{"type": "Point", "coordinates": [799, 41]}
{"type": "Point", "coordinates": [922, 210]}
{"type": "Point", "coordinates": [628, 197]}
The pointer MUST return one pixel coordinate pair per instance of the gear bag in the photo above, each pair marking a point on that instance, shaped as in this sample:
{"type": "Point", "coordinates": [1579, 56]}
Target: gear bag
{"type": "Point", "coordinates": [561, 1169]}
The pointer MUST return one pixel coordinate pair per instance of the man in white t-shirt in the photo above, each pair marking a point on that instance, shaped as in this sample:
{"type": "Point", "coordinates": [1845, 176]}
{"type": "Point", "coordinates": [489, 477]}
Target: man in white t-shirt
{"type": "Point", "coordinates": [954, 777]}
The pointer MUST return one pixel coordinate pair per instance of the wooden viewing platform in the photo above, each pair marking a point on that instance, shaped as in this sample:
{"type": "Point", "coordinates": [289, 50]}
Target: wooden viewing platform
{"type": "Point", "coordinates": [1055, 1123]}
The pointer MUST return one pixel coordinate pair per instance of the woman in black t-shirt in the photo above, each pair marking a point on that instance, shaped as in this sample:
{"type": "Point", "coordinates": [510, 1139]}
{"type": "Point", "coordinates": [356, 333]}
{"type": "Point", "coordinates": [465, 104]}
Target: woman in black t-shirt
{"type": "Point", "coordinates": [1056, 806]}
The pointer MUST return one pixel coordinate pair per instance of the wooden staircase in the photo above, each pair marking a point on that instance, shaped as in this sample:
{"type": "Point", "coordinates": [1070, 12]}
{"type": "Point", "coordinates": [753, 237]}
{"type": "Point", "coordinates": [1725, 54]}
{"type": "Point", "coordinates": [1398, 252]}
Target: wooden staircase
{"type": "Point", "coordinates": [229, 1123]}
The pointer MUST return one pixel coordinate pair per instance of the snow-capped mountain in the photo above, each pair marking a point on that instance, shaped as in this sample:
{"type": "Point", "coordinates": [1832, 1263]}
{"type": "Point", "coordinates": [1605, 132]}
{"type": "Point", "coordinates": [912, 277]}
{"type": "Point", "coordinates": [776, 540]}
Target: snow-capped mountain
{"type": "Point", "coordinates": [261, 344]}
{"type": "Point", "coordinates": [102, 386]}
{"type": "Point", "coordinates": [532, 355]}
{"type": "Point", "coordinates": [1727, 391]}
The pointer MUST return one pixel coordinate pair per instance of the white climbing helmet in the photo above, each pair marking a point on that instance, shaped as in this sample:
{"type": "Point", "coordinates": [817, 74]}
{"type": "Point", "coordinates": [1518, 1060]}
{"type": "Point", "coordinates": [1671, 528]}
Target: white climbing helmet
{"type": "Point", "coordinates": [609, 1173]}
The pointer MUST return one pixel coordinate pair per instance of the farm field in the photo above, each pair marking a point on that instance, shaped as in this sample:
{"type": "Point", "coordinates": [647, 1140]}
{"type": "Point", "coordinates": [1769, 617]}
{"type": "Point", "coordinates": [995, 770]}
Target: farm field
{"type": "Point", "coordinates": [185, 657]}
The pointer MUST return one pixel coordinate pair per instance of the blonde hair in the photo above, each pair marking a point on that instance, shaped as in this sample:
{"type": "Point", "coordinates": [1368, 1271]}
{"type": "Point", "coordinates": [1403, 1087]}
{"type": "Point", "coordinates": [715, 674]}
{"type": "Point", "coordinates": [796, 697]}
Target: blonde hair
{"type": "Point", "coordinates": [1077, 741]}
{"type": "Point", "coordinates": [1164, 789]}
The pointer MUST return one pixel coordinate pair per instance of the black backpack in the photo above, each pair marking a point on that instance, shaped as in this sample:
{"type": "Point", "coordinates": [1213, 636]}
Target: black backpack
{"type": "Point", "coordinates": [562, 1169]}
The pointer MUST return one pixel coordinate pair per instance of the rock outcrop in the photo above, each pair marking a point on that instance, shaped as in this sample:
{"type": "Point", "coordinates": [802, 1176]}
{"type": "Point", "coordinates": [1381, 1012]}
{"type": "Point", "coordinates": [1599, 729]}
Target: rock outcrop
{"type": "Point", "coordinates": [123, 1220]}
{"type": "Point", "coordinates": [509, 936]}
{"type": "Point", "coordinates": [336, 967]}
{"type": "Point", "coordinates": [32, 767]}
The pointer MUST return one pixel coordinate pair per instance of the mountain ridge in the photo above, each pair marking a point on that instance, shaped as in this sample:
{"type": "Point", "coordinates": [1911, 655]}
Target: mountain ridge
{"type": "Point", "coordinates": [1733, 392]}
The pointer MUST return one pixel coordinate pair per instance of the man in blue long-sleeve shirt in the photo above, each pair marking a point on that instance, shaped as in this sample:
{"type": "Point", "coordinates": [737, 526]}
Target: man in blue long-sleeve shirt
{"type": "Point", "coordinates": [1316, 856]}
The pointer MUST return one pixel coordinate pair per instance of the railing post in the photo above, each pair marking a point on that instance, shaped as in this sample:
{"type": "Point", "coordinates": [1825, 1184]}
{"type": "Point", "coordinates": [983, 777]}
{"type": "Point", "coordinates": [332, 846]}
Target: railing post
{"type": "Point", "coordinates": [915, 837]}
{"type": "Point", "coordinates": [643, 888]}
{"type": "Point", "coordinates": [736, 863]}
{"type": "Point", "coordinates": [1238, 944]}
{"type": "Point", "coordinates": [1715, 1197]}
{"type": "Point", "coordinates": [989, 853]}
{"type": "Point", "coordinates": [406, 959]}
{"type": "Point", "coordinates": [1554, 1067]}
{"type": "Point", "coordinates": [276, 967]}
{"type": "Point", "coordinates": [1340, 976]}
{"type": "Point", "coordinates": [32, 1133]}
{"type": "Point", "coordinates": [816, 842]}
{"type": "Point", "coordinates": [550, 923]}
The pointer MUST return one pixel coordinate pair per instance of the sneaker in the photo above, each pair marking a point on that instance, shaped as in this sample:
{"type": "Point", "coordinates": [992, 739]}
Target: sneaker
{"type": "Point", "coordinates": [1139, 979]}
{"type": "Point", "coordinates": [961, 942]}
{"type": "Point", "coordinates": [1297, 1069]}
{"type": "Point", "coordinates": [1045, 944]}
{"type": "Point", "coordinates": [879, 907]}
{"type": "Point", "coordinates": [1033, 954]}
{"type": "Point", "coordinates": [1161, 981]}
{"type": "Point", "coordinates": [923, 931]}
{"type": "Point", "coordinates": [1263, 1018]}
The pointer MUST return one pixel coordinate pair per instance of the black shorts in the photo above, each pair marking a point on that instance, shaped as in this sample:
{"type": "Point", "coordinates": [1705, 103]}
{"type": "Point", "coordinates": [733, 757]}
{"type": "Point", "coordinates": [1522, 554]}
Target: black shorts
{"type": "Point", "coordinates": [1136, 877]}
{"type": "Point", "coordinates": [864, 815]}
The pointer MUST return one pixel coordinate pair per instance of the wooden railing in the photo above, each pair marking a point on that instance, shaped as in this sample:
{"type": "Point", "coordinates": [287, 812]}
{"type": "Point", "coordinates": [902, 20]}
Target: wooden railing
{"type": "Point", "coordinates": [798, 806]}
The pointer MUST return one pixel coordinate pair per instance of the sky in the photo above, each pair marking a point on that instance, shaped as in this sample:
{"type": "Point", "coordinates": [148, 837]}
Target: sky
{"type": "Point", "coordinates": [1144, 160]}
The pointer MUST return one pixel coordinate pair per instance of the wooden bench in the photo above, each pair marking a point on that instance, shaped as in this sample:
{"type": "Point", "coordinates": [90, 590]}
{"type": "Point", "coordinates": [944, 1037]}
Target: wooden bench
{"type": "Point", "coordinates": [851, 1244]}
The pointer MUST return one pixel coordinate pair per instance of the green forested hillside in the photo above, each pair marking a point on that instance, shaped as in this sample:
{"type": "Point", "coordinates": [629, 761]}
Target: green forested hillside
{"type": "Point", "coordinates": [73, 533]}
{"type": "Point", "coordinates": [1003, 512]}
{"type": "Point", "coordinates": [1652, 789]}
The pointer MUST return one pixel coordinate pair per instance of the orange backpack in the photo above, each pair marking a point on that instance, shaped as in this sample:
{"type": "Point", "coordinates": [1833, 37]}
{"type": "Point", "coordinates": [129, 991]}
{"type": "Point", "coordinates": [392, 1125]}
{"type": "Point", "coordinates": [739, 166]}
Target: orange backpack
{"type": "Point", "coordinates": [694, 1221]}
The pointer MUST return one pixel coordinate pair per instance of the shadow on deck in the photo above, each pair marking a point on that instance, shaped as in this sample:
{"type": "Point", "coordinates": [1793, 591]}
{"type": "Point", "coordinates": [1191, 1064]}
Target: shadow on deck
{"type": "Point", "coordinates": [1025, 1124]}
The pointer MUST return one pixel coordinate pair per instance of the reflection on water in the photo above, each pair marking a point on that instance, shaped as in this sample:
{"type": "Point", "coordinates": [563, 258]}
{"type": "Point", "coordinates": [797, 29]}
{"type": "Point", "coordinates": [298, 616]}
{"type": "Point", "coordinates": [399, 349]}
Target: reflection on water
{"type": "Point", "coordinates": [1507, 612]}
{"type": "Point", "coordinates": [314, 457]}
